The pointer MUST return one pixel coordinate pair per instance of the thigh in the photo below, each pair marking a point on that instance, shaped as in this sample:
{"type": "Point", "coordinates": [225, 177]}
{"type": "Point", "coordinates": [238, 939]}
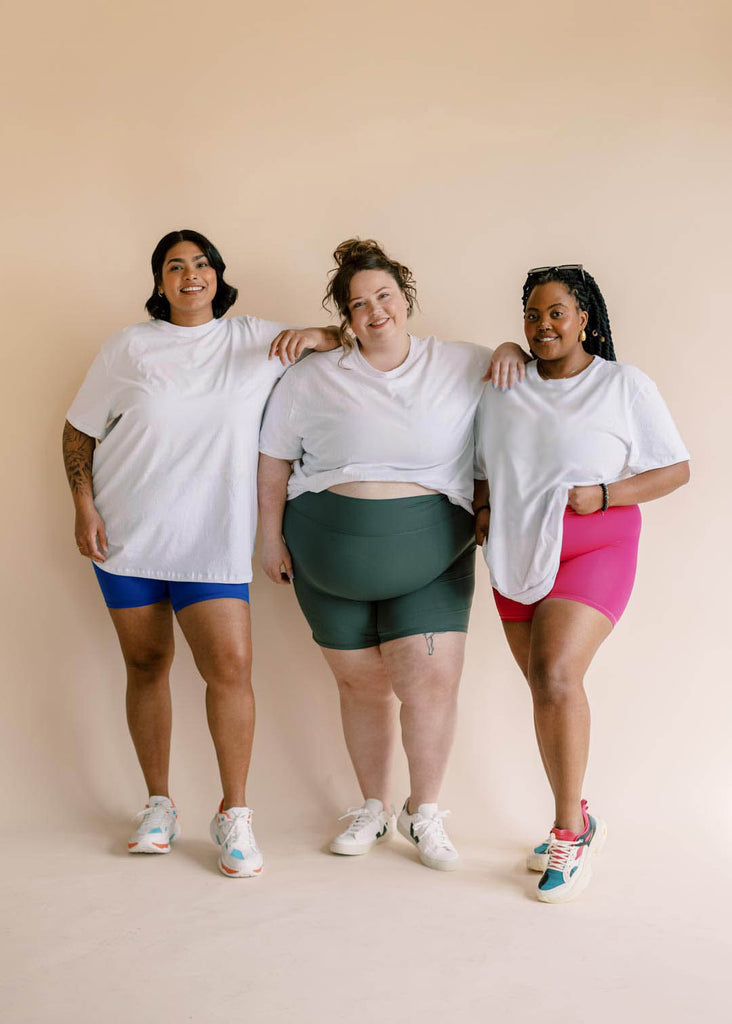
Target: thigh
{"type": "Point", "coordinates": [337, 623]}
{"type": "Point", "coordinates": [359, 669]}
{"type": "Point", "coordinates": [145, 633]}
{"type": "Point", "coordinates": [425, 664]}
{"type": "Point", "coordinates": [518, 635]}
{"type": "Point", "coordinates": [441, 606]}
{"type": "Point", "coordinates": [565, 636]}
{"type": "Point", "coordinates": [599, 558]}
{"type": "Point", "coordinates": [219, 634]}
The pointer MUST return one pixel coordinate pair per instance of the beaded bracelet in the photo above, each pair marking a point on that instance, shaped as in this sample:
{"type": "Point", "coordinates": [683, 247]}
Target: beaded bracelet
{"type": "Point", "coordinates": [605, 497]}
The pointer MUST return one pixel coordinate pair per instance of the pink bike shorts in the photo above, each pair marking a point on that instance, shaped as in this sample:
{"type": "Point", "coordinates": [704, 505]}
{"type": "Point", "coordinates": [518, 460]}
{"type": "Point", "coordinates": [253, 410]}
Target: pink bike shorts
{"type": "Point", "coordinates": [597, 564]}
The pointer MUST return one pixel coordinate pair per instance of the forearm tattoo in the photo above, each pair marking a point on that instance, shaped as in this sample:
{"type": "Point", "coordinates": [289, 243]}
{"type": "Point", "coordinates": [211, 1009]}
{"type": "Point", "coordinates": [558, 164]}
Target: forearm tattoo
{"type": "Point", "coordinates": [78, 451]}
{"type": "Point", "coordinates": [430, 641]}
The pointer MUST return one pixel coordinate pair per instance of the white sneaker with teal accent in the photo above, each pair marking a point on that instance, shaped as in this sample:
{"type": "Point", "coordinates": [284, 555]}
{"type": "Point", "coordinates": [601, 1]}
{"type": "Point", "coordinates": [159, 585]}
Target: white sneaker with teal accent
{"type": "Point", "coordinates": [239, 855]}
{"type": "Point", "coordinates": [157, 827]}
{"type": "Point", "coordinates": [570, 860]}
{"type": "Point", "coordinates": [538, 858]}
{"type": "Point", "coordinates": [372, 823]}
{"type": "Point", "coordinates": [425, 830]}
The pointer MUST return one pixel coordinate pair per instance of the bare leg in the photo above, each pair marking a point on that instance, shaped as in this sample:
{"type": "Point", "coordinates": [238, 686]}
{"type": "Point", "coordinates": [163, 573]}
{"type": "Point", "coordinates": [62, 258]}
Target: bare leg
{"type": "Point", "coordinates": [146, 638]}
{"type": "Point", "coordinates": [565, 636]}
{"type": "Point", "coordinates": [368, 715]}
{"type": "Point", "coordinates": [425, 675]}
{"type": "Point", "coordinates": [518, 635]}
{"type": "Point", "coordinates": [219, 635]}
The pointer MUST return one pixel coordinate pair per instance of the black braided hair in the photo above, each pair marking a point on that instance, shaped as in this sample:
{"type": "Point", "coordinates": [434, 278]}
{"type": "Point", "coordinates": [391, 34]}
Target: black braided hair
{"type": "Point", "coordinates": [589, 298]}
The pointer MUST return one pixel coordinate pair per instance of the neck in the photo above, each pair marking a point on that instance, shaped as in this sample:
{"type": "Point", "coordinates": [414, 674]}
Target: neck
{"type": "Point", "coordinates": [569, 366]}
{"type": "Point", "coordinates": [387, 354]}
{"type": "Point", "coordinates": [193, 319]}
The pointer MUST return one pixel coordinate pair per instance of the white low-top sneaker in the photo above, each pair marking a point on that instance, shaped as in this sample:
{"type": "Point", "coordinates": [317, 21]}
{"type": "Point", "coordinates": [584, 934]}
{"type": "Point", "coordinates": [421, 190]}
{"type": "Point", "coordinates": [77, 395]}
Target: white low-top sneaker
{"type": "Point", "coordinates": [239, 855]}
{"type": "Point", "coordinates": [425, 829]}
{"type": "Point", "coordinates": [371, 824]}
{"type": "Point", "coordinates": [157, 827]}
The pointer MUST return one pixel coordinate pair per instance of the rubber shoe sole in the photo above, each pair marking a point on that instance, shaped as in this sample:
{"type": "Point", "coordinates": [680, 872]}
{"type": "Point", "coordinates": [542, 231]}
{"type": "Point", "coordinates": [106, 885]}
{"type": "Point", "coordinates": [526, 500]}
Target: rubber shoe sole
{"type": "Point", "coordinates": [577, 885]}
{"type": "Point", "coordinates": [148, 844]}
{"type": "Point", "coordinates": [429, 862]}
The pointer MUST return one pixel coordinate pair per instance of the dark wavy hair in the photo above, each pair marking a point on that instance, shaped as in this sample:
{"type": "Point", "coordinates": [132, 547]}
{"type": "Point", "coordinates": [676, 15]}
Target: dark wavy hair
{"type": "Point", "coordinates": [589, 298]}
{"type": "Point", "coordinates": [157, 305]}
{"type": "Point", "coordinates": [352, 256]}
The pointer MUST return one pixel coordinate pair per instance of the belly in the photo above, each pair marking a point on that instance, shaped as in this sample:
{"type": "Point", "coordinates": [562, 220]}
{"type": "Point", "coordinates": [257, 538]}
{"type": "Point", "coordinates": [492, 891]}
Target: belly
{"type": "Point", "coordinates": [379, 489]}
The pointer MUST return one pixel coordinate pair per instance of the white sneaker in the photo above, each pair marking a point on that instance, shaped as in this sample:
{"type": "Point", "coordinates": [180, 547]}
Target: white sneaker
{"type": "Point", "coordinates": [426, 831]}
{"type": "Point", "coordinates": [371, 824]}
{"type": "Point", "coordinates": [239, 855]}
{"type": "Point", "coordinates": [157, 827]}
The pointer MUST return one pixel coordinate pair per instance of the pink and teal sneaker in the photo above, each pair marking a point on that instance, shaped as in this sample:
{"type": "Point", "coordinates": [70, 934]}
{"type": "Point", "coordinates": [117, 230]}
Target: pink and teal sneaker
{"type": "Point", "coordinates": [538, 858]}
{"type": "Point", "coordinates": [569, 870]}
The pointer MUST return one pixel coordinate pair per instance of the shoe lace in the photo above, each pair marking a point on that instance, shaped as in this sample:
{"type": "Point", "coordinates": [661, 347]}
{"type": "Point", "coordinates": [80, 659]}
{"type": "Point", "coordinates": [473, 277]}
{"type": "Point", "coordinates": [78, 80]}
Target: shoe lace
{"type": "Point", "coordinates": [435, 829]}
{"type": "Point", "coordinates": [237, 830]}
{"type": "Point", "coordinates": [152, 817]}
{"type": "Point", "coordinates": [361, 817]}
{"type": "Point", "coordinates": [559, 851]}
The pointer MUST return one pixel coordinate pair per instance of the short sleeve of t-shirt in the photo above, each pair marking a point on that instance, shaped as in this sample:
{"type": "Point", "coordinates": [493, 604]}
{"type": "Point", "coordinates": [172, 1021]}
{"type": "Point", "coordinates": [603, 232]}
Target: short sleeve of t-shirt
{"type": "Point", "coordinates": [91, 410]}
{"type": "Point", "coordinates": [654, 440]}
{"type": "Point", "coordinates": [278, 438]}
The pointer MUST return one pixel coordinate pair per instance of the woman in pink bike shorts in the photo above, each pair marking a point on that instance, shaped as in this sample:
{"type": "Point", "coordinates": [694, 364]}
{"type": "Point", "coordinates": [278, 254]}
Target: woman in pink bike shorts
{"type": "Point", "coordinates": [563, 463]}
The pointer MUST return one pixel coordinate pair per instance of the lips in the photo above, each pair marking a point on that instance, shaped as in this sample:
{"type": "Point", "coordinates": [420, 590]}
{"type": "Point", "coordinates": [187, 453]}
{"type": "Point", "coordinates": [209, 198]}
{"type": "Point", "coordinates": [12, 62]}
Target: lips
{"type": "Point", "coordinates": [192, 290]}
{"type": "Point", "coordinates": [379, 323]}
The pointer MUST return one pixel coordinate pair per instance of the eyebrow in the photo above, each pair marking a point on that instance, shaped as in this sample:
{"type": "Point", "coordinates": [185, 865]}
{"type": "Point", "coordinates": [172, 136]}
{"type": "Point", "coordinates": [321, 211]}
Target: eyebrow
{"type": "Point", "coordinates": [535, 309]}
{"type": "Point", "coordinates": [384, 288]}
{"type": "Point", "coordinates": [182, 259]}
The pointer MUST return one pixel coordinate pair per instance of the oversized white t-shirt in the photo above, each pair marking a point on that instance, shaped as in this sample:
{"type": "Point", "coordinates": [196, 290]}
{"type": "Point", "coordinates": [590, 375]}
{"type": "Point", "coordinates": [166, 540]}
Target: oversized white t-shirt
{"type": "Point", "coordinates": [338, 419]}
{"type": "Point", "coordinates": [177, 412]}
{"type": "Point", "coordinates": [545, 436]}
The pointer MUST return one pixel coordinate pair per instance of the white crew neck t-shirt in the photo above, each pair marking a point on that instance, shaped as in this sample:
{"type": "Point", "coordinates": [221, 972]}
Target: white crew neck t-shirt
{"type": "Point", "coordinates": [338, 419]}
{"type": "Point", "coordinates": [177, 412]}
{"type": "Point", "coordinates": [537, 441]}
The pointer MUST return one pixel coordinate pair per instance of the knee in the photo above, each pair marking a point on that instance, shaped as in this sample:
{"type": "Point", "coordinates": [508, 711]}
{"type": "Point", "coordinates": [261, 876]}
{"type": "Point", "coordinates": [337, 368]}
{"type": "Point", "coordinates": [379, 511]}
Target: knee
{"type": "Point", "coordinates": [438, 690]}
{"type": "Point", "coordinates": [553, 682]}
{"type": "Point", "coordinates": [365, 691]}
{"type": "Point", "coordinates": [147, 664]}
{"type": "Point", "coordinates": [229, 672]}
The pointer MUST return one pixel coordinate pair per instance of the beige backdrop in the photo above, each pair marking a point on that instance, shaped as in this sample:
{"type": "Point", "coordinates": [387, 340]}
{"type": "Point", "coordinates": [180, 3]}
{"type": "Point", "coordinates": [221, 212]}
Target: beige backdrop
{"type": "Point", "coordinates": [474, 139]}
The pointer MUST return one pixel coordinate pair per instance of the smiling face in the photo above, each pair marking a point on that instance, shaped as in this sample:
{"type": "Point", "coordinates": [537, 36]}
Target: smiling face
{"type": "Point", "coordinates": [553, 323]}
{"type": "Point", "coordinates": [188, 282]}
{"type": "Point", "coordinates": [377, 308]}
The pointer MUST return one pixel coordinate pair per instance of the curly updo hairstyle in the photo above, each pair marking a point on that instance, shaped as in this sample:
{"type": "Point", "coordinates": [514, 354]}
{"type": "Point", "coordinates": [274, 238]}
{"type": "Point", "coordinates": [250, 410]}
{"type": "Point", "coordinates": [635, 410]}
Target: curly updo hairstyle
{"type": "Point", "coordinates": [589, 298]}
{"type": "Point", "coordinates": [157, 305]}
{"type": "Point", "coordinates": [352, 256]}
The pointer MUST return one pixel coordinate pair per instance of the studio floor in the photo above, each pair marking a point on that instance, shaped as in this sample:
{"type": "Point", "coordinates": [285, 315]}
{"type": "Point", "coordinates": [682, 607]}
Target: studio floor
{"type": "Point", "coordinates": [95, 935]}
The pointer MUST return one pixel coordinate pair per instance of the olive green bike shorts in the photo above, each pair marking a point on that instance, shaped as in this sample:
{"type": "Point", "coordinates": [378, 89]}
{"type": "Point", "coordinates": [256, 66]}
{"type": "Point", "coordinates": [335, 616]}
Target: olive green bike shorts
{"type": "Point", "coordinates": [368, 571]}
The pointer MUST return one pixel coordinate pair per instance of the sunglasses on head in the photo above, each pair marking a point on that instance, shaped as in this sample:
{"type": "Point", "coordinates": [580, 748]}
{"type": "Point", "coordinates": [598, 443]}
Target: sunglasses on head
{"type": "Point", "coordinates": [564, 266]}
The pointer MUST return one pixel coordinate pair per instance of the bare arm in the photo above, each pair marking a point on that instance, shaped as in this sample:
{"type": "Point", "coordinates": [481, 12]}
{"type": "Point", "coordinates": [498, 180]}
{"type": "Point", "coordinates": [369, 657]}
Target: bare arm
{"type": "Point", "coordinates": [288, 346]}
{"type": "Point", "coordinates": [78, 450]}
{"type": "Point", "coordinates": [481, 509]}
{"type": "Point", "coordinates": [632, 491]}
{"type": "Point", "coordinates": [272, 480]}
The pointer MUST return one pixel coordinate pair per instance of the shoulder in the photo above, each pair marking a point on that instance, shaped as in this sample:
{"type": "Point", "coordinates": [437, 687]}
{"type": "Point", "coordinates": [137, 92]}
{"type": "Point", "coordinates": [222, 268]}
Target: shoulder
{"type": "Point", "coordinates": [123, 340]}
{"type": "Point", "coordinates": [630, 378]}
{"type": "Point", "coordinates": [457, 353]}
{"type": "Point", "coordinates": [254, 329]}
